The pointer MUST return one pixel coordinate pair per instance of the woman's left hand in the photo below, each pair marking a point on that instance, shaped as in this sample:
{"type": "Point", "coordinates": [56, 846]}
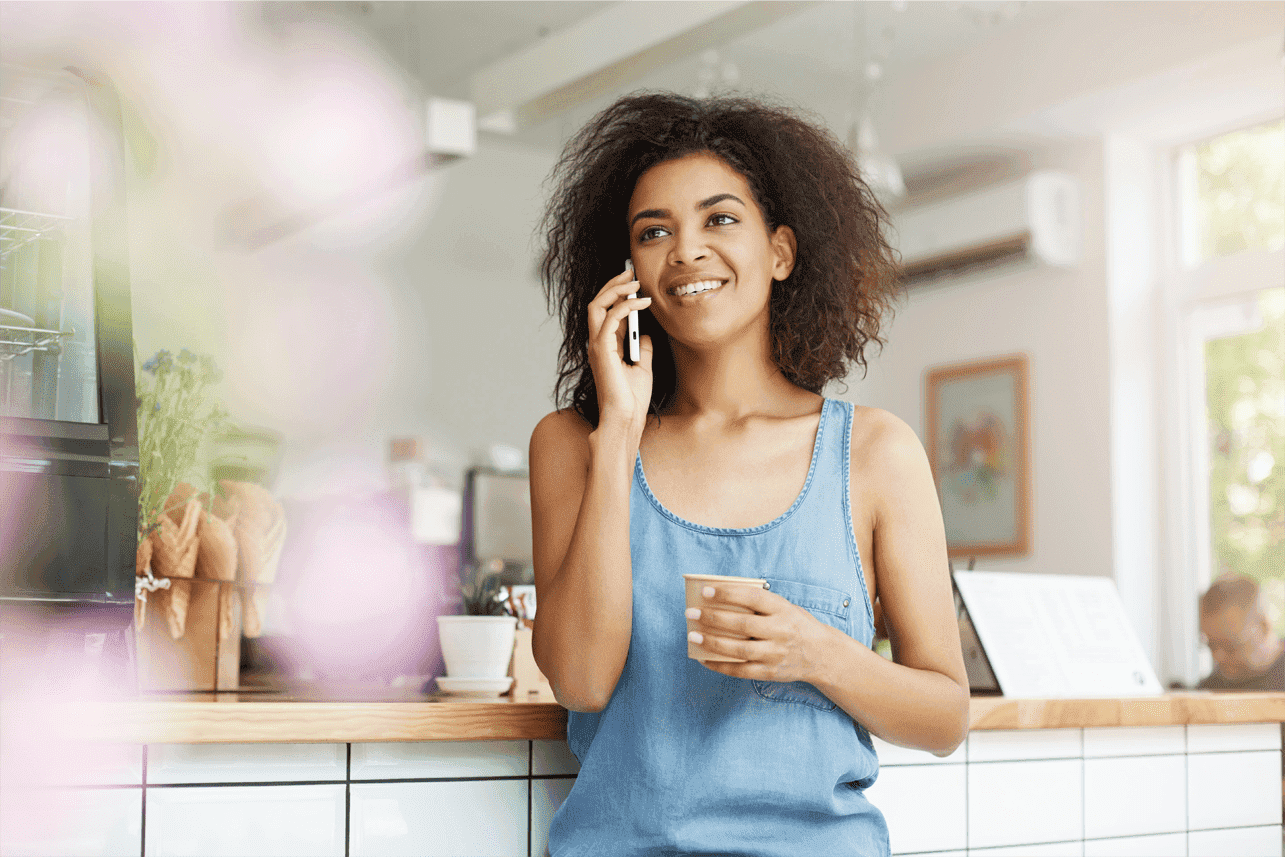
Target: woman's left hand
{"type": "Point", "coordinates": [786, 641]}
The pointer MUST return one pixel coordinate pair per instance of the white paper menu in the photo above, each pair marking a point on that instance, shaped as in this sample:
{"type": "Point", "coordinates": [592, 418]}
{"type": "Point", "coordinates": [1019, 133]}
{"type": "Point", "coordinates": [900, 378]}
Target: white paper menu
{"type": "Point", "coordinates": [1056, 635]}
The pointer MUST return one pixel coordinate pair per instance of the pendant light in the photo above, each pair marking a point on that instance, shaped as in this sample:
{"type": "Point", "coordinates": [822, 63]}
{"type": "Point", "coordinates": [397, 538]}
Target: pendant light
{"type": "Point", "coordinates": [879, 169]}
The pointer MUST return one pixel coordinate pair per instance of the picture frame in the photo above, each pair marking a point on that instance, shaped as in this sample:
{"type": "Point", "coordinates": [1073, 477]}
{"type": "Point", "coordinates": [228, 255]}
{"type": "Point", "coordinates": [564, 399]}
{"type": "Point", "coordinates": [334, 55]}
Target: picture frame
{"type": "Point", "coordinates": [978, 439]}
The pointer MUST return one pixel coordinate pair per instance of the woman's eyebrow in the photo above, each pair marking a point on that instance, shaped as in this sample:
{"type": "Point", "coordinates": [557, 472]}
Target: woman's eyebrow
{"type": "Point", "coordinates": [703, 204]}
{"type": "Point", "coordinates": [648, 212]}
{"type": "Point", "coordinates": [717, 198]}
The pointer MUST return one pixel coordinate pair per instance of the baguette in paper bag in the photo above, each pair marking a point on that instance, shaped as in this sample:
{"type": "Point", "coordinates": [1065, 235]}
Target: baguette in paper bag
{"type": "Point", "coordinates": [260, 533]}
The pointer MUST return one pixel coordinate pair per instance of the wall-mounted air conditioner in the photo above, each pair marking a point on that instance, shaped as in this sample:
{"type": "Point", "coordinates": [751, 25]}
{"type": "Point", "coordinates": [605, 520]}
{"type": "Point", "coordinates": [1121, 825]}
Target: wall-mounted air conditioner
{"type": "Point", "coordinates": [1035, 219]}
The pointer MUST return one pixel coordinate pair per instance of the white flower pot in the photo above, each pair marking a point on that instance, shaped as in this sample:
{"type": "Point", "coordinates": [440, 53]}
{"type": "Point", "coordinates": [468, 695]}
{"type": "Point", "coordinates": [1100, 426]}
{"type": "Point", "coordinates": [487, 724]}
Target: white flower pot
{"type": "Point", "coordinates": [477, 646]}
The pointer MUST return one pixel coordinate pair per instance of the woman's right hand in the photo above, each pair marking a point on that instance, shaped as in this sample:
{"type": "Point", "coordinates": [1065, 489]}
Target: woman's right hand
{"type": "Point", "coordinates": [624, 391]}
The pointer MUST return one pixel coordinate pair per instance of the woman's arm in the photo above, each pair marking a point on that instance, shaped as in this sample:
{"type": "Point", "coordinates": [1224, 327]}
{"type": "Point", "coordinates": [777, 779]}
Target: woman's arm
{"type": "Point", "coordinates": [918, 700]}
{"type": "Point", "coordinates": [583, 576]}
{"type": "Point", "coordinates": [580, 481]}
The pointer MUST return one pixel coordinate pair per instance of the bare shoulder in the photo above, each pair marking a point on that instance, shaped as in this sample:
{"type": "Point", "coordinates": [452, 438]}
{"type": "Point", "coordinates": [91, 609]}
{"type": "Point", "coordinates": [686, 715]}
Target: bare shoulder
{"type": "Point", "coordinates": [560, 440]}
{"type": "Point", "coordinates": [883, 443]}
{"type": "Point", "coordinates": [559, 428]}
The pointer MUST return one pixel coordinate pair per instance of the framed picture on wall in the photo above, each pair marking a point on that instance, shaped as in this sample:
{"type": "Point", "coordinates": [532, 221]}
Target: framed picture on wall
{"type": "Point", "coordinates": [979, 447]}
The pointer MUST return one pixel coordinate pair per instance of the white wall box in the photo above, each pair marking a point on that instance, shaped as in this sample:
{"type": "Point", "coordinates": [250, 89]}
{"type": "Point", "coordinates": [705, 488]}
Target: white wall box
{"type": "Point", "coordinates": [1232, 737]}
{"type": "Point", "coordinates": [1233, 789]}
{"type": "Point", "coordinates": [905, 793]}
{"type": "Point", "coordinates": [553, 757]}
{"type": "Point", "coordinates": [477, 818]}
{"type": "Point", "coordinates": [71, 822]}
{"type": "Point", "coordinates": [1134, 741]}
{"type": "Point", "coordinates": [1002, 745]}
{"type": "Point", "coordinates": [1025, 803]}
{"type": "Point", "coordinates": [1136, 795]}
{"type": "Point", "coordinates": [546, 796]}
{"type": "Point", "coordinates": [440, 760]}
{"type": "Point", "coordinates": [1237, 842]}
{"type": "Point", "coordinates": [1036, 217]}
{"type": "Point", "coordinates": [246, 763]}
{"type": "Point", "coordinates": [246, 821]}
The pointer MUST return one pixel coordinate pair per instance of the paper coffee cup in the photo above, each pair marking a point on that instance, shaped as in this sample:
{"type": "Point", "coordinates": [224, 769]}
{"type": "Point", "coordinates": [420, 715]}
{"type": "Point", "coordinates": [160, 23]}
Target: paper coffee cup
{"type": "Point", "coordinates": [694, 584]}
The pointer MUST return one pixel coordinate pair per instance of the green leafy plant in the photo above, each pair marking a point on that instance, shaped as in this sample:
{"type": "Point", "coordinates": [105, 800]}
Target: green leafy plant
{"type": "Point", "coordinates": [175, 414]}
{"type": "Point", "coordinates": [479, 588]}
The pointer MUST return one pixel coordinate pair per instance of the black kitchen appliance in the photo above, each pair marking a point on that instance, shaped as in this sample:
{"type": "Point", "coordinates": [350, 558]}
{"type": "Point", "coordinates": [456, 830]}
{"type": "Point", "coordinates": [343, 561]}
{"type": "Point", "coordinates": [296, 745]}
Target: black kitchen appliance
{"type": "Point", "coordinates": [68, 429]}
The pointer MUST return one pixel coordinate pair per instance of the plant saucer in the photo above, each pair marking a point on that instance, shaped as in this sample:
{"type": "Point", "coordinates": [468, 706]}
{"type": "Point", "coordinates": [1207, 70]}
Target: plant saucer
{"type": "Point", "coordinates": [459, 686]}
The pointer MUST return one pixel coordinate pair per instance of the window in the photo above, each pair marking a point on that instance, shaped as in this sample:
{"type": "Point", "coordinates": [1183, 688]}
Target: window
{"type": "Point", "coordinates": [1245, 406]}
{"type": "Point", "coordinates": [1225, 304]}
{"type": "Point", "coordinates": [1233, 193]}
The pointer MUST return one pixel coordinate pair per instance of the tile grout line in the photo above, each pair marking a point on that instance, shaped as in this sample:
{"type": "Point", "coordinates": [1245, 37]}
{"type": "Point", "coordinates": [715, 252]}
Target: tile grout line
{"type": "Point", "coordinates": [1186, 789]}
{"type": "Point", "coordinates": [967, 764]}
{"type": "Point", "coordinates": [142, 828]}
{"type": "Point", "coordinates": [530, 788]}
{"type": "Point", "coordinates": [348, 800]}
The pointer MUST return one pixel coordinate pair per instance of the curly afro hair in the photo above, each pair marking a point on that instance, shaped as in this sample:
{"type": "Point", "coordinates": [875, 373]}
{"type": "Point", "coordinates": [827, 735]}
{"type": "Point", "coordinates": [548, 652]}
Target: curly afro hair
{"type": "Point", "coordinates": [846, 277]}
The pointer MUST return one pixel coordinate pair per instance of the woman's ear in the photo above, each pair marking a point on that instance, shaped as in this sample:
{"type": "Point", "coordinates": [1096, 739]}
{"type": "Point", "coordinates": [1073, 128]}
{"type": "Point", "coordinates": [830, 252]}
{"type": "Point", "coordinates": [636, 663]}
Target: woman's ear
{"type": "Point", "coordinates": [784, 248]}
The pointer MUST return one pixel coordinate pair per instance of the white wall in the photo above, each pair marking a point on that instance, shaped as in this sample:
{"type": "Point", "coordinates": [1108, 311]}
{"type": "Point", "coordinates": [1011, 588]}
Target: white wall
{"type": "Point", "coordinates": [489, 346]}
{"type": "Point", "coordinates": [1160, 74]}
{"type": "Point", "coordinates": [1058, 319]}
{"type": "Point", "coordinates": [441, 333]}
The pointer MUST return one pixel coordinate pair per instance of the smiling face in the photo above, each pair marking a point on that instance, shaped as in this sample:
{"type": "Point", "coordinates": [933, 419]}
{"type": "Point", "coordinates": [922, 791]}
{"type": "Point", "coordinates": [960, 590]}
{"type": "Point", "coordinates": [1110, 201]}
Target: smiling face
{"type": "Point", "coordinates": [703, 252]}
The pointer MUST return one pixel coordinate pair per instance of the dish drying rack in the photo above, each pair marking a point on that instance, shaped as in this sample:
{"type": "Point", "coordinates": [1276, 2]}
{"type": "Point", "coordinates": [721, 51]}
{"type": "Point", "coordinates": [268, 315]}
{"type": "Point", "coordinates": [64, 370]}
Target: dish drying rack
{"type": "Point", "coordinates": [18, 229]}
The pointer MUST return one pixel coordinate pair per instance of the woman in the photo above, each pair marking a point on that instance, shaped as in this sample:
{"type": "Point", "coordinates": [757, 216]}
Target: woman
{"type": "Point", "coordinates": [762, 274]}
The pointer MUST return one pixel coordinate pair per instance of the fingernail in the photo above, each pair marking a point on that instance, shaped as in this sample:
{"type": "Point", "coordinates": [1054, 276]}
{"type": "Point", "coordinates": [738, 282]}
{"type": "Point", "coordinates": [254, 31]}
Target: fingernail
{"type": "Point", "coordinates": [696, 637]}
{"type": "Point", "coordinates": [708, 592]}
{"type": "Point", "coordinates": [693, 613]}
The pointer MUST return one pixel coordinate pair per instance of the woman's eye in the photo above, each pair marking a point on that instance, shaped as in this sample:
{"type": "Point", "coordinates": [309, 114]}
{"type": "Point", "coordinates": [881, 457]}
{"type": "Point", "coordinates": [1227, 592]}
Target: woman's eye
{"type": "Point", "coordinates": [651, 232]}
{"type": "Point", "coordinates": [721, 220]}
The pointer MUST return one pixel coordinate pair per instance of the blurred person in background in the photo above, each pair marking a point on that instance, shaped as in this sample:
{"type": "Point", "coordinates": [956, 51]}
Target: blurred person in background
{"type": "Point", "coordinates": [1247, 653]}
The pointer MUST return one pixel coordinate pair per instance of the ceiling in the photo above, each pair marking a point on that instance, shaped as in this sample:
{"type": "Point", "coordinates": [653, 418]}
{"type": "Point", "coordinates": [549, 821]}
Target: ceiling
{"type": "Point", "coordinates": [812, 55]}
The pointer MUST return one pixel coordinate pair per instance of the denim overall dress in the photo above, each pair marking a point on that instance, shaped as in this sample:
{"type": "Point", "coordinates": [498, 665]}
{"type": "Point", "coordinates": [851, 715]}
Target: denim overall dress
{"type": "Point", "coordinates": [684, 760]}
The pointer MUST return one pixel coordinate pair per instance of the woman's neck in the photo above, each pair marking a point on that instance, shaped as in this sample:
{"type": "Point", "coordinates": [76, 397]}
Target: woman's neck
{"type": "Point", "coordinates": [730, 382]}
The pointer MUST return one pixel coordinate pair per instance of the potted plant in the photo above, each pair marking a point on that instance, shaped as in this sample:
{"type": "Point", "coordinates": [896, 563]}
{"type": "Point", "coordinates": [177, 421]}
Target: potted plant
{"type": "Point", "coordinates": [187, 557]}
{"type": "Point", "coordinates": [478, 644]}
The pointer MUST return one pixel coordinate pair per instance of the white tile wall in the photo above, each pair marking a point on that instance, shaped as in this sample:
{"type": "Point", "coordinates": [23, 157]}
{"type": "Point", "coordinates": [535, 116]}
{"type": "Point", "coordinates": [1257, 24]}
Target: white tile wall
{"type": "Point", "coordinates": [1162, 845]}
{"type": "Point", "coordinates": [486, 818]}
{"type": "Point", "coordinates": [1015, 803]}
{"type": "Point", "coordinates": [546, 797]}
{"type": "Point", "coordinates": [553, 757]}
{"type": "Point", "coordinates": [1224, 737]}
{"type": "Point", "coordinates": [1135, 795]}
{"type": "Point", "coordinates": [909, 794]}
{"type": "Point", "coordinates": [1005, 745]}
{"type": "Point", "coordinates": [440, 759]}
{"type": "Point", "coordinates": [1130, 790]}
{"type": "Point", "coordinates": [245, 763]}
{"type": "Point", "coordinates": [1134, 741]}
{"type": "Point", "coordinates": [71, 822]}
{"type": "Point", "coordinates": [246, 821]}
{"type": "Point", "coordinates": [1243, 842]}
{"type": "Point", "coordinates": [1227, 789]}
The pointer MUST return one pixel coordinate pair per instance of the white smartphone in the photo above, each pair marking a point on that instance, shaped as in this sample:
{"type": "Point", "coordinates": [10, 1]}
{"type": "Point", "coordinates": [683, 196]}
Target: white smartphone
{"type": "Point", "coordinates": [631, 333]}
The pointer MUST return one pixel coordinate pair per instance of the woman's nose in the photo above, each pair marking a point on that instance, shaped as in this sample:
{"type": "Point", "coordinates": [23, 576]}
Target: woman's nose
{"type": "Point", "coordinates": [687, 248]}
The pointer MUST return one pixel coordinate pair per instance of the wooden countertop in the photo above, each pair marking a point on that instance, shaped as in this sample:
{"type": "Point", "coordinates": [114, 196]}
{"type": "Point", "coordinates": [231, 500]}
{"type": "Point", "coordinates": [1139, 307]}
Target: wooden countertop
{"type": "Point", "coordinates": [271, 718]}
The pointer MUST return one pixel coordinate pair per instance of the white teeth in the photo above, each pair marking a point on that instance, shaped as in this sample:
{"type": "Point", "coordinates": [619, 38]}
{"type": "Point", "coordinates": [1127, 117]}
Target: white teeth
{"type": "Point", "coordinates": [694, 288]}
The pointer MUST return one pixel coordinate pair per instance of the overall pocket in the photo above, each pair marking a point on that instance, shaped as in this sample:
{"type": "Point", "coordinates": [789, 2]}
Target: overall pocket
{"type": "Point", "coordinates": [830, 606]}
